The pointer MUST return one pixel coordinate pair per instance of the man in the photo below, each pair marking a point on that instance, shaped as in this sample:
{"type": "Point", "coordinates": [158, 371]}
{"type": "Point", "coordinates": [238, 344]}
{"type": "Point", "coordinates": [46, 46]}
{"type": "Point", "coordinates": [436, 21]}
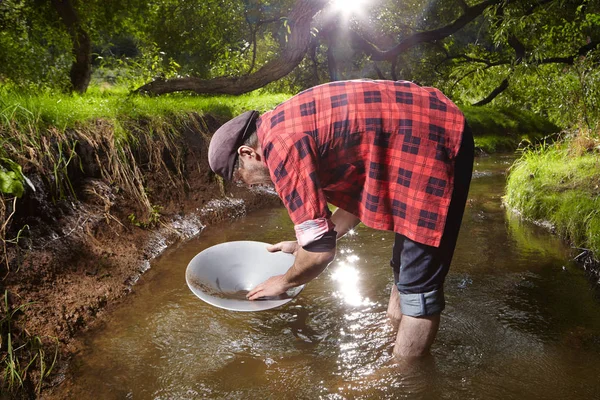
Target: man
{"type": "Point", "coordinates": [393, 155]}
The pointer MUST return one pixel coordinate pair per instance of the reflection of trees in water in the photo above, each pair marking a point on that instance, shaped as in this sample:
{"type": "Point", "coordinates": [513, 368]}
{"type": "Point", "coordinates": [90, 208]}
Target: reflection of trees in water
{"type": "Point", "coordinates": [530, 238]}
{"type": "Point", "coordinates": [548, 301]}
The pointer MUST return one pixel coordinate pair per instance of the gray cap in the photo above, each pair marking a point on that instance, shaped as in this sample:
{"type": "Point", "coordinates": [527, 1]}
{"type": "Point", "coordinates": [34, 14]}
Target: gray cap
{"type": "Point", "coordinates": [222, 151]}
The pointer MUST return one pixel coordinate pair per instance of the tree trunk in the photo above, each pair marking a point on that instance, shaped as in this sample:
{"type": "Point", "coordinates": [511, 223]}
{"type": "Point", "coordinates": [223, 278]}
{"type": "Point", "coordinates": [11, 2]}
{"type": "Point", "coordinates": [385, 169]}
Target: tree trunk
{"type": "Point", "coordinates": [81, 69]}
{"type": "Point", "coordinates": [314, 67]}
{"type": "Point", "coordinates": [298, 42]}
{"type": "Point", "coordinates": [332, 64]}
{"type": "Point", "coordinates": [393, 69]}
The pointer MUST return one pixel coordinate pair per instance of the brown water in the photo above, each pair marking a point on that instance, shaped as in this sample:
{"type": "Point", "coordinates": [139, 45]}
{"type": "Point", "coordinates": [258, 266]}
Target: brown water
{"type": "Point", "coordinates": [521, 322]}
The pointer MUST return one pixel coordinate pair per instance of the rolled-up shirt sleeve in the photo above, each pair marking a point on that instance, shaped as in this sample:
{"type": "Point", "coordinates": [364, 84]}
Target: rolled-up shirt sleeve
{"type": "Point", "coordinates": [294, 170]}
{"type": "Point", "coordinates": [312, 230]}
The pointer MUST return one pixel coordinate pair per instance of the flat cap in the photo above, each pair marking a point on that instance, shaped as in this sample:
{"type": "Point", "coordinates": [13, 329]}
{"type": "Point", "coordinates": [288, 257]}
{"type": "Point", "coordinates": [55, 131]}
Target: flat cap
{"type": "Point", "coordinates": [222, 151]}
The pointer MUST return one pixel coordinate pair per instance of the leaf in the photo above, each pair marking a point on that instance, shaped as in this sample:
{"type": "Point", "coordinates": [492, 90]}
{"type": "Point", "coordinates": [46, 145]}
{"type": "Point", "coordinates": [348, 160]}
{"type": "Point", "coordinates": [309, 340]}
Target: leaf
{"type": "Point", "coordinates": [11, 183]}
{"type": "Point", "coordinates": [11, 178]}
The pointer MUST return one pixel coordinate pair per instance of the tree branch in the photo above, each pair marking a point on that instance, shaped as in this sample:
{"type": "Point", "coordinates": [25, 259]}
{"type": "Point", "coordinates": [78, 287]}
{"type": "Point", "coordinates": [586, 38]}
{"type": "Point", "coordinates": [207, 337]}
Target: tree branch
{"type": "Point", "coordinates": [377, 54]}
{"type": "Point", "coordinates": [519, 48]}
{"type": "Point", "coordinates": [253, 30]}
{"type": "Point", "coordinates": [393, 69]}
{"type": "Point", "coordinates": [300, 20]}
{"type": "Point", "coordinates": [581, 52]}
{"type": "Point", "coordinates": [378, 71]}
{"type": "Point", "coordinates": [501, 88]}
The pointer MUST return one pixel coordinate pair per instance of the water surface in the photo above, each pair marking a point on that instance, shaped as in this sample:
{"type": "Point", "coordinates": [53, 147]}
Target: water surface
{"type": "Point", "coordinates": [521, 322]}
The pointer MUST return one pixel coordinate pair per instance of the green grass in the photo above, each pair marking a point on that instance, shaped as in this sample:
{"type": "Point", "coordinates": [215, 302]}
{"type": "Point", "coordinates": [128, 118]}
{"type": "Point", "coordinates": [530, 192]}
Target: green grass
{"type": "Point", "coordinates": [65, 111]}
{"type": "Point", "coordinates": [555, 184]}
{"type": "Point", "coordinates": [494, 129]}
{"type": "Point", "coordinates": [42, 132]}
{"type": "Point", "coordinates": [505, 129]}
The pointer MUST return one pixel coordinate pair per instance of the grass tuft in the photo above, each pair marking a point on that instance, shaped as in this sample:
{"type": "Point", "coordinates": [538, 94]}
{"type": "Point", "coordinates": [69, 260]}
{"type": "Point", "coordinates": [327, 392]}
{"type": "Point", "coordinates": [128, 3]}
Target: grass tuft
{"type": "Point", "coordinates": [560, 185]}
{"type": "Point", "coordinates": [22, 354]}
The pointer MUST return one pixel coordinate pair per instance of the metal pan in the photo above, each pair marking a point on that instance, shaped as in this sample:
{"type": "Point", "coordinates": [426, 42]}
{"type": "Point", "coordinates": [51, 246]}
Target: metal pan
{"type": "Point", "coordinates": [223, 274]}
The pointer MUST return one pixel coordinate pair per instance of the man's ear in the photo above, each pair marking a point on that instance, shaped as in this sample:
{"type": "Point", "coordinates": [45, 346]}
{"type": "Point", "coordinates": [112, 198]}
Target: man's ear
{"type": "Point", "coordinates": [245, 151]}
{"type": "Point", "coordinates": [248, 152]}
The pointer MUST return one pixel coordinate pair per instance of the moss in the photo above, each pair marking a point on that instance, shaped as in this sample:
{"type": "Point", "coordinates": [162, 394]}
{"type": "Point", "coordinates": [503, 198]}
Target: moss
{"type": "Point", "coordinates": [553, 184]}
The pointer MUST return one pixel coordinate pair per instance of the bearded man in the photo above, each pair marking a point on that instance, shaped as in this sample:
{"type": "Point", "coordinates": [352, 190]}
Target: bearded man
{"type": "Point", "coordinates": [390, 154]}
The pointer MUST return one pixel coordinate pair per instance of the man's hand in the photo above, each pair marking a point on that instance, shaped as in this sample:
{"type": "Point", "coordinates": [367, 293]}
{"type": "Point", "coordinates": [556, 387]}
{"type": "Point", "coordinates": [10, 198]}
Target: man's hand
{"type": "Point", "coordinates": [273, 286]}
{"type": "Point", "coordinates": [307, 266]}
{"type": "Point", "coordinates": [290, 247]}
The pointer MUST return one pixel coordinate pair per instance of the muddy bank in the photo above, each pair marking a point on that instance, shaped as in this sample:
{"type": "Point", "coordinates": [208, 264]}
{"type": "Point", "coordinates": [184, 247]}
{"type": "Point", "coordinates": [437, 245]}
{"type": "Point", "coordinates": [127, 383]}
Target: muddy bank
{"type": "Point", "coordinates": [77, 256]}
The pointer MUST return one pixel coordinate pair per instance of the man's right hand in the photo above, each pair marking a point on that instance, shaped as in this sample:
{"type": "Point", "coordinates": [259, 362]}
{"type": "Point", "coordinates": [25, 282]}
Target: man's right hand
{"type": "Point", "coordinates": [290, 247]}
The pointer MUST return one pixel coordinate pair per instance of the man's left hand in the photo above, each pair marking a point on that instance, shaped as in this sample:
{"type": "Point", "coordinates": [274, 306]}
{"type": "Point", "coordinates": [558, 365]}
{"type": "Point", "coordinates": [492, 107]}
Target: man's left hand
{"type": "Point", "coordinates": [273, 286]}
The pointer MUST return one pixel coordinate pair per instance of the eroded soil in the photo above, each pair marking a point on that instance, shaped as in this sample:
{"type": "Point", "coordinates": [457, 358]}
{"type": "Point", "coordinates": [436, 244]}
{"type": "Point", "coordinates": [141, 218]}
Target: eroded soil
{"type": "Point", "coordinates": [79, 256]}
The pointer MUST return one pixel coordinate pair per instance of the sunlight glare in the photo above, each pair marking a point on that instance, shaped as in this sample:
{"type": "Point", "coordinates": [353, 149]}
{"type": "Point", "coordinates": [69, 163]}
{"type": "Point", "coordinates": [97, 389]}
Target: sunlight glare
{"type": "Point", "coordinates": [350, 7]}
{"type": "Point", "coordinates": [347, 277]}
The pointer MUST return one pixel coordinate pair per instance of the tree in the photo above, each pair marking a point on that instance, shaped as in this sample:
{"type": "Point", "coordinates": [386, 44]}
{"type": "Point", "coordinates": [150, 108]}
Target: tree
{"type": "Point", "coordinates": [297, 43]}
{"type": "Point", "coordinates": [81, 68]}
{"type": "Point", "coordinates": [477, 51]}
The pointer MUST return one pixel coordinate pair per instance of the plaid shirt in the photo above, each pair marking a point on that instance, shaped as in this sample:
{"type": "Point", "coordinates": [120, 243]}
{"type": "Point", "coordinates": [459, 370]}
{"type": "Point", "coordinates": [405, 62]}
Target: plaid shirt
{"type": "Point", "coordinates": [381, 150]}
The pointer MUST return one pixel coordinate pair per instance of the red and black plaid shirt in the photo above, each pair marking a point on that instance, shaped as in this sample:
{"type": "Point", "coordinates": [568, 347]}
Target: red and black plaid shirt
{"type": "Point", "coordinates": [381, 150]}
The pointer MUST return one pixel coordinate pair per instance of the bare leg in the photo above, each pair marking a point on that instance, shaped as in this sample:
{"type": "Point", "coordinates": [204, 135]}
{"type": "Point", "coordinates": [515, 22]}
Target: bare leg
{"type": "Point", "coordinates": [393, 312]}
{"type": "Point", "coordinates": [416, 335]}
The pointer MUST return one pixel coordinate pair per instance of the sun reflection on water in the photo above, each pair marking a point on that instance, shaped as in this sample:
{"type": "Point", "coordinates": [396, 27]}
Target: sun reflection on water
{"type": "Point", "coordinates": [347, 277]}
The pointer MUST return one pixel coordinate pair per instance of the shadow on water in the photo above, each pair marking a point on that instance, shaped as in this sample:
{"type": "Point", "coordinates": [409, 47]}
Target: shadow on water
{"type": "Point", "coordinates": [521, 322]}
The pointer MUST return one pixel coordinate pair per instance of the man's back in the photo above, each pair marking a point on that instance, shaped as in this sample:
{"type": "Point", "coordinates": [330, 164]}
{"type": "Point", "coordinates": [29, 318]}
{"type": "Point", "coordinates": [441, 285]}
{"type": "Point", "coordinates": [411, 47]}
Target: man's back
{"type": "Point", "coordinates": [381, 150]}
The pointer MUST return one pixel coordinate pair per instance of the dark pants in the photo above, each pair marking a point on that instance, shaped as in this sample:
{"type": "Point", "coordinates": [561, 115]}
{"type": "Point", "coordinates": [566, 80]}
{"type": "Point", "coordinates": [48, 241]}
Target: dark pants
{"type": "Point", "coordinates": [420, 270]}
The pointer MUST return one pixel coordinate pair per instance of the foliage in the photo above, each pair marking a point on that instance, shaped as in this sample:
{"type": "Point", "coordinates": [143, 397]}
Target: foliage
{"type": "Point", "coordinates": [11, 178]}
{"type": "Point", "coordinates": [504, 129]}
{"type": "Point", "coordinates": [131, 72]}
{"type": "Point", "coordinates": [215, 38]}
{"type": "Point", "coordinates": [33, 53]}
{"type": "Point", "coordinates": [551, 79]}
{"type": "Point", "coordinates": [197, 34]}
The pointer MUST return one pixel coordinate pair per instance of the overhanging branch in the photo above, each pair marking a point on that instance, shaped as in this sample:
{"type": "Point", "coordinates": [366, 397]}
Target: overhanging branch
{"type": "Point", "coordinates": [501, 88]}
{"type": "Point", "coordinates": [377, 54]}
{"type": "Point", "coordinates": [298, 42]}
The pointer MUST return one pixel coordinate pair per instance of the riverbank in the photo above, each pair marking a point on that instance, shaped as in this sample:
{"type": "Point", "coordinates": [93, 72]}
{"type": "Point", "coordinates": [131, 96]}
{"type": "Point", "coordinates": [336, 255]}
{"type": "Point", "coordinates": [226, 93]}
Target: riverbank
{"type": "Point", "coordinates": [90, 196]}
{"type": "Point", "coordinates": [94, 187]}
{"type": "Point", "coordinates": [558, 184]}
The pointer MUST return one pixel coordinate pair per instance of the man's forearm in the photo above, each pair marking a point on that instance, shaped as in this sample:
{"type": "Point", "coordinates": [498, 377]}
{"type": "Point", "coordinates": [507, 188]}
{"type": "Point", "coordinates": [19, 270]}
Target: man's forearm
{"type": "Point", "coordinates": [307, 266]}
{"type": "Point", "coordinates": [344, 221]}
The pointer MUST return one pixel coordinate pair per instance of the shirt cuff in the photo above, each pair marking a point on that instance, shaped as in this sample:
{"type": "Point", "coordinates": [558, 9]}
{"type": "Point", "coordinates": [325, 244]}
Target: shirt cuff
{"type": "Point", "coordinates": [311, 230]}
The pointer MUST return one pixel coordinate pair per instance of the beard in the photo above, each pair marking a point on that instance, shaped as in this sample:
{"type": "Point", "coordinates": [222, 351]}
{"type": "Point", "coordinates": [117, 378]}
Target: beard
{"type": "Point", "coordinates": [255, 175]}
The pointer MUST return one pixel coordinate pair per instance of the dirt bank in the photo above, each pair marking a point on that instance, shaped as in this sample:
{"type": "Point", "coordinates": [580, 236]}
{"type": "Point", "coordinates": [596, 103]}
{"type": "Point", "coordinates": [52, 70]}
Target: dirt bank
{"type": "Point", "coordinates": [79, 255]}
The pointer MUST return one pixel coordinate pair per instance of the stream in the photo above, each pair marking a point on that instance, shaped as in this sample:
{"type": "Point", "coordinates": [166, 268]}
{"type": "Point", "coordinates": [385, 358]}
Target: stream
{"type": "Point", "coordinates": [521, 322]}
